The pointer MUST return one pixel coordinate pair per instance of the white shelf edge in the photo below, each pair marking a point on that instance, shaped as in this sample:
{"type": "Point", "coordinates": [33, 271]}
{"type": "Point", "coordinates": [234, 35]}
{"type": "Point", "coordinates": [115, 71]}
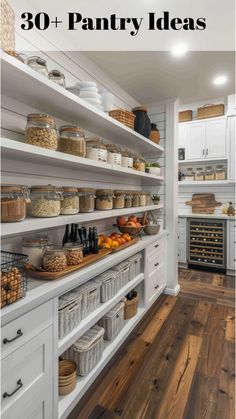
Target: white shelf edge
{"type": "Point", "coordinates": [93, 318]}
{"type": "Point", "coordinates": [202, 160]}
{"type": "Point", "coordinates": [206, 183]}
{"type": "Point", "coordinates": [68, 402]}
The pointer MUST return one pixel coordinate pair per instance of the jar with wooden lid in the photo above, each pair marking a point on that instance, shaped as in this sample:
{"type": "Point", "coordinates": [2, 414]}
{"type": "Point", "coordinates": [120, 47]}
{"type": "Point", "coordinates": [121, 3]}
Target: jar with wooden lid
{"type": "Point", "coordinates": [220, 172]}
{"type": "Point", "coordinates": [86, 199]}
{"type": "Point", "coordinates": [149, 198]}
{"type": "Point", "coordinates": [13, 202]}
{"type": "Point", "coordinates": [114, 154]}
{"type": "Point", "coordinates": [190, 174]}
{"type": "Point", "coordinates": [70, 200]}
{"type": "Point", "coordinates": [142, 199]}
{"type": "Point", "coordinates": [54, 259]}
{"type": "Point", "coordinates": [128, 199]}
{"type": "Point", "coordinates": [209, 173]}
{"type": "Point", "coordinates": [45, 201]}
{"type": "Point", "coordinates": [38, 64]}
{"type": "Point", "coordinates": [154, 134]}
{"type": "Point", "coordinates": [72, 141]}
{"type": "Point", "coordinates": [96, 150]}
{"type": "Point", "coordinates": [200, 174]}
{"type": "Point", "coordinates": [41, 131]}
{"type": "Point", "coordinates": [104, 199]}
{"type": "Point", "coordinates": [119, 199]}
{"type": "Point", "coordinates": [58, 77]}
{"type": "Point", "coordinates": [139, 163]}
{"type": "Point", "coordinates": [135, 199]}
{"type": "Point", "coordinates": [127, 159]}
{"type": "Point", "coordinates": [74, 253]}
{"type": "Point", "coordinates": [34, 248]}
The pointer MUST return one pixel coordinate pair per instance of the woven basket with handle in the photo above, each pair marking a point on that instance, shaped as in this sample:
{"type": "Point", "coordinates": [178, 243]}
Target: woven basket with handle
{"type": "Point", "coordinates": [125, 117]}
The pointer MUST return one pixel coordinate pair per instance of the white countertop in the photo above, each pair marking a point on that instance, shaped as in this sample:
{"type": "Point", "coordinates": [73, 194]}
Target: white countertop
{"type": "Point", "coordinates": [214, 216]}
{"type": "Point", "coordinates": [40, 291]}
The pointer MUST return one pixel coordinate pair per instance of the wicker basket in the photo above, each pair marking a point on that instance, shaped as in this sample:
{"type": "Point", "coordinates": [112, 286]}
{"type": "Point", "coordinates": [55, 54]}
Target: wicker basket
{"type": "Point", "coordinates": [135, 266]}
{"type": "Point", "coordinates": [13, 279]}
{"type": "Point", "coordinates": [7, 27]}
{"type": "Point", "coordinates": [185, 116]}
{"type": "Point", "coordinates": [210, 111]}
{"type": "Point", "coordinates": [113, 321]}
{"type": "Point", "coordinates": [69, 313]}
{"type": "Point", "coordinates": [131, 307]}
{"type": "Point", "coordinates": [90, 297]}
{"type": "Point", "coordinates": [123, 270]}
{"type": "Point", "coordinates": [109, 285]}
{"type": "Point", "coordinates": [125, 117]}
{"type": "Point", "coordinates": [132, 231]}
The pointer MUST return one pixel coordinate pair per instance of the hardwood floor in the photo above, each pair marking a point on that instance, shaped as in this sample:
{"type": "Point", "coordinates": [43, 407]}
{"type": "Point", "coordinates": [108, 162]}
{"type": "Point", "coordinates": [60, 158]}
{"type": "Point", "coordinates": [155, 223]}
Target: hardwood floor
{"type": "Point", "coordinates": [179, 361]}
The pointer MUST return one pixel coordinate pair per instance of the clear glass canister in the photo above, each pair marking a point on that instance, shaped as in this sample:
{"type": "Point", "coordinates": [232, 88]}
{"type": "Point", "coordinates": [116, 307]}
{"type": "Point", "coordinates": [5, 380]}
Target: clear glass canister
{"type": "Point", "coordinates": [128, 199]}
{"type": "Point", "coordinates": [96, 150]}
{"type": "Point", "coordinates": [70, 200]}
{"type": "Point", "coordinates": [220, 172]}
{"type": "Point", "coordinates": [87, 199]}
{"type": "Point", "coordinates": [34, 248]}
{"type": "Point", "coordinates": [119, 199]}
{"type": "Point", "coordinates": [41, 131]}
{"type": "Point", "coordinates": [127, 159]}
{"type": "Point", "coordinates": [135, 199]}
{"type": "Point", "coordinates": [71, 141]}
{"type": "Point", "coordinates": [57, 77]}
{"type": "Point", "coordinates": [38, 64]}
{"type": "Point", "coordinates": [74, 253]}
{"type": "Point", "coordinates": [45, 201]}
{"type": "Point", "coordinates": [13, 202]}
{"type": "Point", "coordinates": [209, 173]}
{"type": "Point", "coordinates": [104, 199]}
{"type": "Point", "coordinates": [200, 174]}
{"type": "Point", "coordinates": [142, 199]}
{"type": "Point", "coordinates": [190, 174]}
{"type": "Point", "coordinates": [114, 154]}
{"type": "Point", "coordinates": [54, 259]}
{"type": "Point", "coordinates": [139, 163]}
{"type": "Point", "coordinates": [149, 198]}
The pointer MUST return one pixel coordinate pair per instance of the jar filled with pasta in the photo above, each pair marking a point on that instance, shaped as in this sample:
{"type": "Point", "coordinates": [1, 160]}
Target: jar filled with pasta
{"type": "Point", "coordinates": [70, 200]}
{"type": "Point", "coordinates": [104, 199]}
{"type": "Point", "coordinates": [45, 201]}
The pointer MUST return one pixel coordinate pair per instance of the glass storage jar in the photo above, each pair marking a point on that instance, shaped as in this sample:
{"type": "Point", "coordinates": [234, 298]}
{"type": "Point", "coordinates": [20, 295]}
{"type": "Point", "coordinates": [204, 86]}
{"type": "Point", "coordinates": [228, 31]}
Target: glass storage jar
{"type": "Point", "coordinates": [128, 199]}
{"type": "Point", "coordinates": [74, 253]}
{"type": "Point", "coordinates": [135, 199]}
{"type": "Point", "coordinates": [139, 163]}
{"type": "Point", "coordinates": [87, 199]}
{"type": "Point", "coordinates": [200, 174]}
{"type": "Point", "coordinates": [148, 199]}
{"type": "Point", "coordinates": [70, 200]}
{"type": "Point", "coordinates": [57, 77]}
{"type": "Point", "coordinates": [142, 199]}
{"type": "Point", "coordinates": [38, 64]}
{"type": "Point", "coordinates": [41, 131]}
{"type": "Point", "coordinates": [54, 259]}
{"type": "Point", "coordinates": [220, 172]}
{"type": "Point", "coordinates": [190, 174]}
{"type": "Point", "coordinates": [119, 199]}
{"type": "Point", "coordinates": [96, 150]}
{"type": "Point", "coordinates": [209, 173]}
{"type": "Point", "coordinates": [45, 201]}
{"type": "Point", "coordinates": [114, 154]}
{"type": "Point", "coordinates": [104, 199]}
{"type": "Point", "coordinates": [34, 248]}
{"type": "Point", "coordinates": [127, 159]}
{"type": "Point", "coordinates": [13, 203]}
{"type": "Point", "coordinates": [71, 141]}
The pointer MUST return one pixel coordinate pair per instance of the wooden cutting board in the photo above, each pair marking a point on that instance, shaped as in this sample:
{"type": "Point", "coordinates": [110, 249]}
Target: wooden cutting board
{"type": "Point", "coordinates": [203, 203]}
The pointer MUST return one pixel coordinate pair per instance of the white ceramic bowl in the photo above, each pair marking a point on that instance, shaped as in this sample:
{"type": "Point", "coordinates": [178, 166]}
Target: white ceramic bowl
{"type": "Point", "coordinates": [155, 171]}
{"type": "Point", "coordinates": [85, 84]}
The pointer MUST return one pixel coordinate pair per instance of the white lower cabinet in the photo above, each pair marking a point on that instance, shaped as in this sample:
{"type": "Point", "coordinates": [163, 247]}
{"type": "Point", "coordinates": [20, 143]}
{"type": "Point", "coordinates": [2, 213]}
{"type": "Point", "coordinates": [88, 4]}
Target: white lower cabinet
{"type": "Point", "coordinates": [231, 245]}
{"type": "Point", "coordinates": [182, 240]}
{"type": "Point", "coordinates": [155, 270]}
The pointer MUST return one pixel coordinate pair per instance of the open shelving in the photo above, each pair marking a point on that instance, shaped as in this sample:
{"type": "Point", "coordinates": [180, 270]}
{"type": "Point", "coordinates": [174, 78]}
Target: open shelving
{"type": "Point", "coordinates": [206, 183]}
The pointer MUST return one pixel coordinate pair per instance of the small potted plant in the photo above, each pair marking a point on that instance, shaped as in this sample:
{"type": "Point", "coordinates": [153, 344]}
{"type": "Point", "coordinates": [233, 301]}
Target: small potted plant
{"type": "Point", "coordinates": [156, 199]}
{"type": "Point", "coordinates": [153, 168]}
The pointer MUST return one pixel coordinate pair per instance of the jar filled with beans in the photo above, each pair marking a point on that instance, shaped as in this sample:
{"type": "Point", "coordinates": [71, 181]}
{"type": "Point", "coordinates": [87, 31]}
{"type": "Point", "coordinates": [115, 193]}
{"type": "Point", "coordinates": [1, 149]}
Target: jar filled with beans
{"type": "Point", "coordinates": [74, 253]}
{"type": "Point", "coordinates": [72, 141]}
{"type": "Point", "coordinates": [41, 131]}
{"type": "Point", "coordinates": [45, 201]}
{"type": "Point", "coordinates": [70, 200]}
{"type": "Point", "coordinates": [54, 259]}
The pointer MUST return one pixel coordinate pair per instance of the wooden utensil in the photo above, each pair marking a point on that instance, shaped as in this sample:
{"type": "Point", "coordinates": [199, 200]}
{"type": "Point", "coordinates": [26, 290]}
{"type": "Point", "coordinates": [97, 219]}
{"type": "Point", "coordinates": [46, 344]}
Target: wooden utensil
{"type": "Point", "coordinates": [203, 203]}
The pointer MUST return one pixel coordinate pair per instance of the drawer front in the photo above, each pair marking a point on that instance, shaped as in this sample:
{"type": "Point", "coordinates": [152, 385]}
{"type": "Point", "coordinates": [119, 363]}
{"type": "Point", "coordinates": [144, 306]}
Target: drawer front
{"type": "Point", "coordinates": [27, 370]}
{"type": "Point", "coordinates": [18, 332]}
{"type": "Point", "coordinates": [35, 405]}
{"type": "Point", "coordinates": [156, 283]}
{"type": "Point", "coordinates": [155, 261]}
{"type": "Point", "coordinates": [156, 246]}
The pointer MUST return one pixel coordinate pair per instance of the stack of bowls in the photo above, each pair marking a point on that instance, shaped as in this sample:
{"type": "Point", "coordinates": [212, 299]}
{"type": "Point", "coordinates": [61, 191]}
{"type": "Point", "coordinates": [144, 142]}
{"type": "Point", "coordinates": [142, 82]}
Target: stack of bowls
{"type": "Point", "coordinates": [67, 377]}
{"type": "Point", "coordinates": [90, 93]}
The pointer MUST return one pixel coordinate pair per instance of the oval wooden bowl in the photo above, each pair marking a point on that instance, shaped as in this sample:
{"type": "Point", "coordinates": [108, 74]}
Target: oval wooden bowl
{"type": "Point", "coordinates": [132, 231]}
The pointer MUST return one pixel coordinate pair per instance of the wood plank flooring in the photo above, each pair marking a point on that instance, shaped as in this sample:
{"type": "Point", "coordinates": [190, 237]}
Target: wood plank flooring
{"type": "Point", "coordinates": [179, 361]}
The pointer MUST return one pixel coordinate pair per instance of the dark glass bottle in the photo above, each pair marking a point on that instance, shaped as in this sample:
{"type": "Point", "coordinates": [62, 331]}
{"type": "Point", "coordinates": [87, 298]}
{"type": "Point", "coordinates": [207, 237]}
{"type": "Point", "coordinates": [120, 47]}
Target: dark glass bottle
{"type": "Point", "coordinates": [142, 123]}
{"type": "Point", "coordinates": [95, 241]}
{"type": "Point", "coordinates": [76, 238]}
{"type": "Point", "coordinates": [91, 240]}
{"type": "Point", "coordinates": [72, 233]}
{"type": "Point", "coordinates": [66, 237]}
{"type": "Point", "coordinates": [85, 239]}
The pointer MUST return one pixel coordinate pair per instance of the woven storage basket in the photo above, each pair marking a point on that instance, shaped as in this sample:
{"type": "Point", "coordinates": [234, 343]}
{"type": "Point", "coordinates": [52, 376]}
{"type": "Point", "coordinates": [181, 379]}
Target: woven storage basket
{"type": "Point", "coordinates": [113, 321]}
{"type": "Point", "coordinates": [135, 266]}
{"type": "Point", "coordinates": [125, 117]}
{"type": "Point", "coordinates": [90, 297]}
{"type": "Point", "coordinates": [7, 27]}
{"type": "Point", "coordinates": [185, 116]}
{"type": "Point", "coordinates": [131, 307]}
{"type": "Point", "coordinates": [210, 111]}
{"type": "Point", "coordinates": [87, 351]}
{"type": "Point", "coordinates": [123, 270]}
{"type": "Point", "coordinates": [109, 284]}
{"type": "Point", "coordinates": [69, 313]}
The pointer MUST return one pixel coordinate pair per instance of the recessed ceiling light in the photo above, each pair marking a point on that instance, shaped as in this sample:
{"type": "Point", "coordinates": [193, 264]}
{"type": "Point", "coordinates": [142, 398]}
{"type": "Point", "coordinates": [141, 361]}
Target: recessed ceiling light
{"type": "Point", "coordinates": [220, 80]}
{"type": "Point", "coordinates": [179, 50]}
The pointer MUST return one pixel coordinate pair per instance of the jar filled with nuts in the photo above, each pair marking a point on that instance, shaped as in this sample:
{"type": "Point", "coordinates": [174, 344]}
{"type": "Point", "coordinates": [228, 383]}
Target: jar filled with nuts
{"type": "Point", "coordinates": [70, 200]}
{"type": "Point", "coordinates": [41, 131]}
{"type": "Point", "coordinates": [54, 259]}
{"type": "Point", "coordinates": [104, 199]}
{"type": "Point", "coordinates": [87, 199]}
{"type": "Point", "coordinates": [45, 201]}
{"type": "Point", "coordinates": [71, 141]}
{"type": "Point", "coordinates": [74, 253]}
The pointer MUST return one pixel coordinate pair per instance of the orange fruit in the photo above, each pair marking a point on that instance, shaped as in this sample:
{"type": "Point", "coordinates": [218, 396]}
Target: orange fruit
{"type": "Point", "coordinates": [119, 240]}
{"type": "Point", "coordinates": [115, 243]}
{"type": "Point", "coordinates": [105, 246]}
{"type": "Point", "coordinates": [108, 241]}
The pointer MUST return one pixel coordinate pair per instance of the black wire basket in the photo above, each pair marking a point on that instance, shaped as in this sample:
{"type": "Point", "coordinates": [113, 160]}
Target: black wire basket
{"type": "Point", "coordinates": [13, 278]}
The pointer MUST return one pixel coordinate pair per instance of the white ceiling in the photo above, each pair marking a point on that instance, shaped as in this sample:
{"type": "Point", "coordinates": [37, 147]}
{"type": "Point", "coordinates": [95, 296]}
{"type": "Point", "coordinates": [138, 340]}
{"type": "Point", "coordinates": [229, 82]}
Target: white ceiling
{"type": "Point", "coordinates": [153, 76]}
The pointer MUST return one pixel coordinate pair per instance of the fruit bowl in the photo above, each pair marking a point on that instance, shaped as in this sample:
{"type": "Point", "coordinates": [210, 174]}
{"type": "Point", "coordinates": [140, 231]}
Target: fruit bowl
{"type": "Point", "coordinates": [132, 231]}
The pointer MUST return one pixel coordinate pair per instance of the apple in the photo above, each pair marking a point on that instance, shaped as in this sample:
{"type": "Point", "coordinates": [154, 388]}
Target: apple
{"type": "Point", "coordinates": [132, 218]}
{"type": "Point", "coordinates": [130, 224]}
{"type": "Point", "coordinates": [121, 221]}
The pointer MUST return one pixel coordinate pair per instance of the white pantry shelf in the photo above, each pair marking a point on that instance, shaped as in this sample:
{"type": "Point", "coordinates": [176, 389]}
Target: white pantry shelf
{"type": "Point", "coordinates": [34, 89]}
{"type": "Point", "coordinates": [68, 402]}
{"type": "Point", "coordinates": [206, 183]}
{"type": "Point", "coordinates": [16, 150]}
{"type": "Point", "coordinates": [96, 315]}
{"type": "Point", "coordinates": [36, 224]}
{"type": "Point", "coordinates": [216, 159]}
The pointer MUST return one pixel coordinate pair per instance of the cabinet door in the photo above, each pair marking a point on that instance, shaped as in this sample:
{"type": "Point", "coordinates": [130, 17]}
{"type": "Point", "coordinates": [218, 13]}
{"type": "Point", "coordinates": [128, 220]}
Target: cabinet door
{"type": "Point", "coordinates": [182, 135]}
{"type": "Point", "coordinates": [216, 138]}
{"type": "Point", "coordinates": [195, 142]}
{"type": "Point", "coordinates": [231, 248]}
{"type": "Point", "coordinates": [232, 149]}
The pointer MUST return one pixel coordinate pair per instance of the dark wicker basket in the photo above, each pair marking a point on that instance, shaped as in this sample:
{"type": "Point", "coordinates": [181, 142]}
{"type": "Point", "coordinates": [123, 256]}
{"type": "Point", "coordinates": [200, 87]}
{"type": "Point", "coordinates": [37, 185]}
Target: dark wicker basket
{"type": "Point", "coordinates": [13, 279]}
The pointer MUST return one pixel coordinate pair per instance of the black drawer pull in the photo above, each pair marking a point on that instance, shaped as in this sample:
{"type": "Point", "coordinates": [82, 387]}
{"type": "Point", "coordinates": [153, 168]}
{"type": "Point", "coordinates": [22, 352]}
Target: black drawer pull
{"type": "Point", "coordinates": [157, 286]}
{"type": "Point", "coordinates": [19, 385]}
{"type": "Point", "coordinates": [156, 264]}
{"type": "Point", "coordinates": [156, 245]}
{"type": "Point", "coordinates": [19, 333]}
